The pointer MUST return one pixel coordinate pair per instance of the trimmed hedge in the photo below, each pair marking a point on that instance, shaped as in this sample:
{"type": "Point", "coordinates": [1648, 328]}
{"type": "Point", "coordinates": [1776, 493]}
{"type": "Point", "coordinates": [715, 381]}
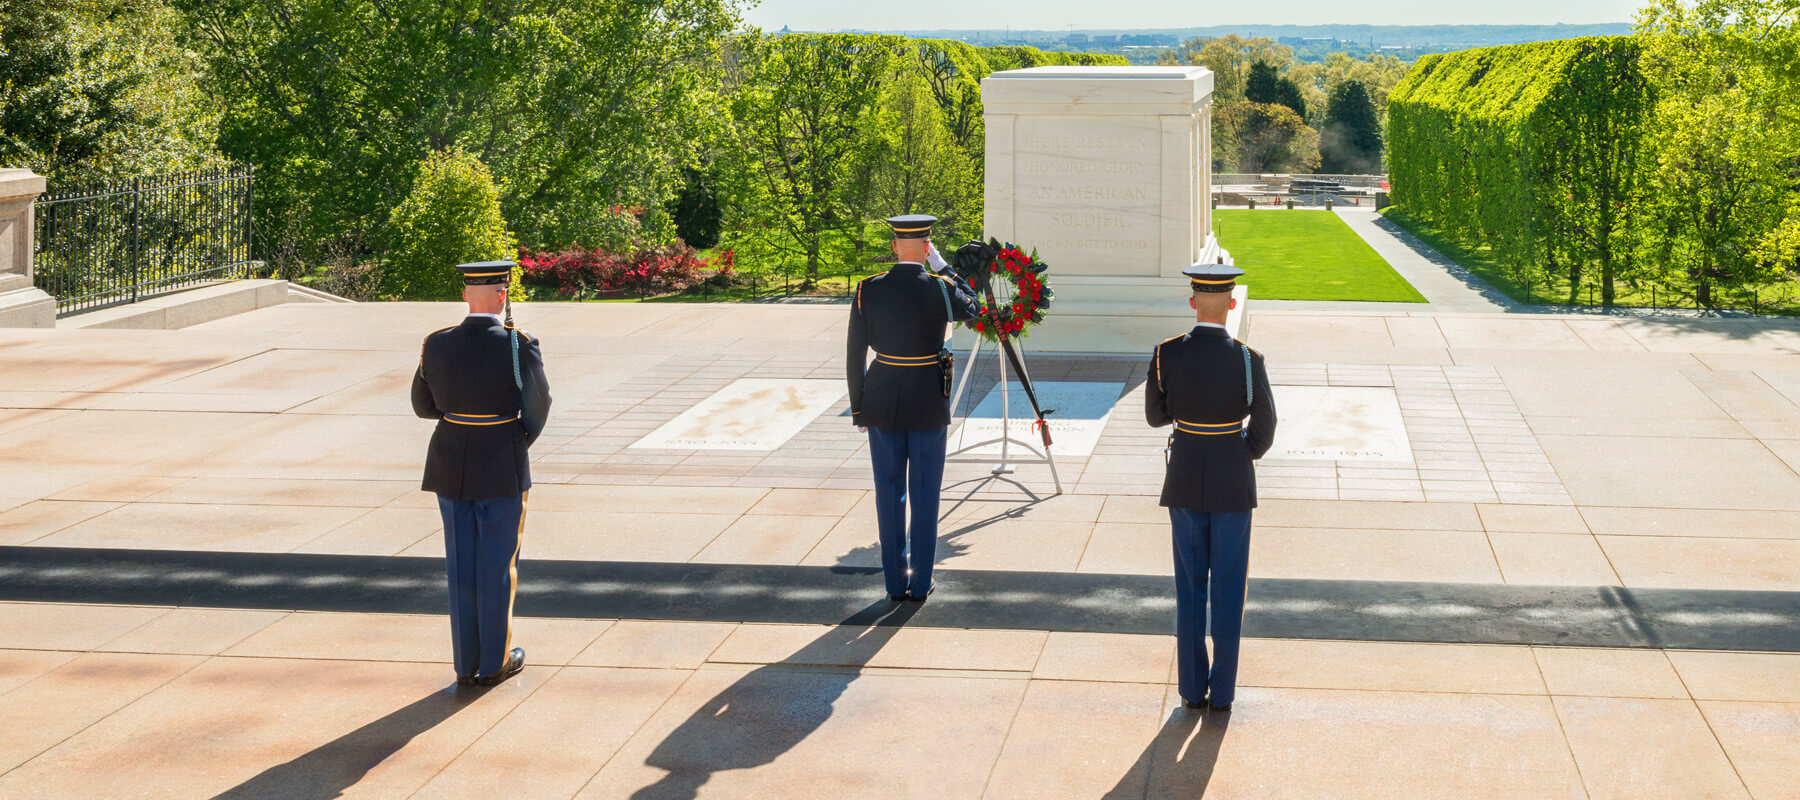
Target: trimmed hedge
{"type": "Point", "coordinates": [1530, 150]}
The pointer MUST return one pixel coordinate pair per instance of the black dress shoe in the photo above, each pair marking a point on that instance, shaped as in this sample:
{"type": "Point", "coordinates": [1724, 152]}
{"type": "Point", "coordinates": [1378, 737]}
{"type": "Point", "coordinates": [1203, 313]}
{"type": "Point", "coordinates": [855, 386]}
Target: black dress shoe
{"type": "Point", "coordinates": [465, 680]}
{"type": "Point", "coordinates": [515, 661]}
{"type": "Point", "coordinates": [1218, 709]}
{"type": "Point", "coordinates": [917, 599]}
{"type": "Point", "coordinates": [898, 598]}
{"type": "Point", "coordinates": [1193, 706]}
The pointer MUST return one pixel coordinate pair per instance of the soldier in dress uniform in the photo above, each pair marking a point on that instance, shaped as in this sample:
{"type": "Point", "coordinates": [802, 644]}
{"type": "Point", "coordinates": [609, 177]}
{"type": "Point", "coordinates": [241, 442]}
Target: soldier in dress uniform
{"type": "Point", "coordinates": [483, 381]}
{"type": "Point", "coordinates": [903, 399]}
{"type": "Point", "coordinates": [1206, 383]}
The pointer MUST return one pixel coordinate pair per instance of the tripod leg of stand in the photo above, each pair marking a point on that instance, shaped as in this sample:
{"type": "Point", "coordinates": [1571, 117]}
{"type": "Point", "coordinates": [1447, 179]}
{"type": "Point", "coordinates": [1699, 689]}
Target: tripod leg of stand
{"type": "Point", "coordinates": [1049, 457]}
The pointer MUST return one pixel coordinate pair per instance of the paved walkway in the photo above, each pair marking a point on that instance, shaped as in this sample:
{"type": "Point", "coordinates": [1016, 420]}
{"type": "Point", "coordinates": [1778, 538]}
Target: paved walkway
{"type": "Point", "coordinates": [1446, 284]}
{"type": "Point", "coordinates": [235, 506]}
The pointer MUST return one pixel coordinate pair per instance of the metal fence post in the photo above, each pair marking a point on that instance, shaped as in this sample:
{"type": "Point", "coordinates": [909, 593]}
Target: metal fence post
{"type": "Point", "coordinates": [137, 195]}
{"type": "Point", "coordinates": [250, 213]}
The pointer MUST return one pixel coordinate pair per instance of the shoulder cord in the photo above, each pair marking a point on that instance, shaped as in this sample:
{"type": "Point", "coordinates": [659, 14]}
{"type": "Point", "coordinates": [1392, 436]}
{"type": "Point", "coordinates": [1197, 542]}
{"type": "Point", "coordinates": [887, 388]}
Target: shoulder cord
{"type": "Point", "coordinates": [1249, 383]}
{"type": "Point", "coordinates": [513, 334]}
{"type": "Point", "coordinates": [949, 318]}
{"type": "Point", "coordinates": [518, 379]}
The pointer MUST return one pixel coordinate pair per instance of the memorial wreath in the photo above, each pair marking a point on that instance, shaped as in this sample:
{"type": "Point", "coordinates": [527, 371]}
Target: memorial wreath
{"type": "Point", "coordinates": [1012, 309]}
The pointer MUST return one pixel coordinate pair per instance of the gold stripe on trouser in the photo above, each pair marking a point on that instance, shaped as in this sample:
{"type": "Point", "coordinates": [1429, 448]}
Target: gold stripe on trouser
{"type": "Point", "coordinates": [1246, 606]}
{"type": "Point", "coordinates": [513, 570]}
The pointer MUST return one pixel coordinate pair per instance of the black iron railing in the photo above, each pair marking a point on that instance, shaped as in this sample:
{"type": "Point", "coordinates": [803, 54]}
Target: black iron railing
{"type": "Point", "coordinates": [107, 244]}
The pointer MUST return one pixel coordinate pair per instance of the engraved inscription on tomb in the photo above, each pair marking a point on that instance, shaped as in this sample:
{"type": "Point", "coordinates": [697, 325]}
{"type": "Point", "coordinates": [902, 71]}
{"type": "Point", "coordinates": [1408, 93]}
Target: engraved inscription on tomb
{"type": "Point", "coordinates": [1090, 188]}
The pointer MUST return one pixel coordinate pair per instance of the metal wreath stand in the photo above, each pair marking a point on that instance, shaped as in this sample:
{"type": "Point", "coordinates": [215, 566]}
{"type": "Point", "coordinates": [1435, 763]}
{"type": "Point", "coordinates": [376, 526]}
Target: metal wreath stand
{"type": "Point", "coordinates": [1033, 453]}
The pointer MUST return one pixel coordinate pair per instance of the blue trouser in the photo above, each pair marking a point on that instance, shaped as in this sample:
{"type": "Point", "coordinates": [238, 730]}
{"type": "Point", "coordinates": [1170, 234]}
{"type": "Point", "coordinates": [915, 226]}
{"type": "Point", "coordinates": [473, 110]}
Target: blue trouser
{"type": "Point", "coordinates": [908, 464]}
{"type": "Point", "coordinates": [1213, 547]}
{"type": "Point", "coordinates": [481, 553]}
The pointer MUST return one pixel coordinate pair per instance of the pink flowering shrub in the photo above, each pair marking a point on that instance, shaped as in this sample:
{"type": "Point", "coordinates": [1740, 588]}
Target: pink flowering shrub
{"type": "Point", "coordinates": [580, 272]}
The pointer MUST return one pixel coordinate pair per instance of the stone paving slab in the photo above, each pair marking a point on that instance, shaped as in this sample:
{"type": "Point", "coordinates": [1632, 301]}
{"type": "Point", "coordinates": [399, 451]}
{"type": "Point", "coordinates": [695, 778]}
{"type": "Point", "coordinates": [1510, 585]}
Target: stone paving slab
{"type": "Point", "coordinates": [1612, 457]}
{"type": "Point", "coordinates": [773, 710]}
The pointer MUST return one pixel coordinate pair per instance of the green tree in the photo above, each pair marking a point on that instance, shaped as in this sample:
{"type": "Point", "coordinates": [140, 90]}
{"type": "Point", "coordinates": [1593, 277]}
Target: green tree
{"type": "Point", "coordinates": [1350, 138]}
{"type": "Point", "coordinates": [95, 90]}
{"type": "Point", "coordinates": [1265, 84]}
{"type": "Point", "coordinates": [1378, 73]}
{"type": "Point", "coordinates": [805, 114]}
{"type": "Point", "coordinates": [1229, 58]}
{"type": "Point", "coordinates": [1271, 138]}
{"type": "Point", "coordinates": [452, 216]}
{"type": "Point", "coordinates": [1725, 138]}
{"type": "Point", "coordinates": [576, 105]}
{"type": "Point", "coordinates": [920, 168]}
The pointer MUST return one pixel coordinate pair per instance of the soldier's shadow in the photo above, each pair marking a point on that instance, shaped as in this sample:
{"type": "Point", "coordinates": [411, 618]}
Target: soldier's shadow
{"type": "Point", "coordinates": [773, 708]}
{"type": "Point", "coordinates": [326, 772]}
{"type": "Point", "coordinates": [950, 542]}
{"type": "Point", "coordinates": [1179, 762]}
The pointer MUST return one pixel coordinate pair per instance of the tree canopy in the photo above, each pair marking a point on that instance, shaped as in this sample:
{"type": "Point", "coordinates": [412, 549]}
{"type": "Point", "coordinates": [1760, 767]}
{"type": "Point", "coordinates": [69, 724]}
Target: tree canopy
{"type": "Point", "coordinates": [576, 105]}
{"type": "Point", "coordinates": [1724, 149]}
{"type": "Point", "coordinates": [1350, 138]}
{"type": "Point", "coordinates": [95, 90]}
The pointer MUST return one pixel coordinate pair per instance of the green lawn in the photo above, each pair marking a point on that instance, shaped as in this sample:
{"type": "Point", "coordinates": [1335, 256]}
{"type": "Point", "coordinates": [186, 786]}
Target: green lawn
{"type": "Point", "coordinates": [1307, 255]}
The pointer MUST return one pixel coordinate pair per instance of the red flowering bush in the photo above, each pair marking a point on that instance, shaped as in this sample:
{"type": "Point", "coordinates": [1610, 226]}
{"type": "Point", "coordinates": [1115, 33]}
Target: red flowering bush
{"type": "Point", "coordinates": [723, 274]}
{"type": "Point", "coordinates": [580, 272]}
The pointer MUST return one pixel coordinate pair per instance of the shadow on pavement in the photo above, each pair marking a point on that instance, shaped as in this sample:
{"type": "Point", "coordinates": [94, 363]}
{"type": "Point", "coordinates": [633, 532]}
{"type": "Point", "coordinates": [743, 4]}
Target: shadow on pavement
{"type": "Point", "coordinates": [329, 770]}
{"type": "Point", "coordinates": [1179, 762]}
{"type": "Point", "coordinates": [773, 708]}
{"type": "Point", "coordinates": [950, 542]}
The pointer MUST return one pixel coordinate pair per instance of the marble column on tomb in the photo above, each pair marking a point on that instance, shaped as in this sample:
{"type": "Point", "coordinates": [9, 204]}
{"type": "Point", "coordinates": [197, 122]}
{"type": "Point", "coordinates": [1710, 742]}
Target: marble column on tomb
{"type": "Point", "coordinates": [22, 305]}
{"type": "Point", "coordinates": [1106, 171]}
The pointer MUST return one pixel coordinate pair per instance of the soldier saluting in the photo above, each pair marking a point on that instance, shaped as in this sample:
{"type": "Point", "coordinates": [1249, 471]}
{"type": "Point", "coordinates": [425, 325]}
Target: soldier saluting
{"type": "Point", "coordinates": [1206, 383]}
{"type": "Point", "coordinates": [903, 398]}
{"type": "Point", "coordinates": [483, 381]}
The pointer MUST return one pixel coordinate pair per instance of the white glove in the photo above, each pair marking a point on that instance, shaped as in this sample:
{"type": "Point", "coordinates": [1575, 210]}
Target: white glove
{"type": "Point", "coordinates": [938, 264]}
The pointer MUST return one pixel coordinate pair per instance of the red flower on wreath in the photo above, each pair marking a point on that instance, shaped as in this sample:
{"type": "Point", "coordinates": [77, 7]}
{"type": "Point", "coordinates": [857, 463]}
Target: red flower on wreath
{"type": "Point", "coordinates": [1024, 306]}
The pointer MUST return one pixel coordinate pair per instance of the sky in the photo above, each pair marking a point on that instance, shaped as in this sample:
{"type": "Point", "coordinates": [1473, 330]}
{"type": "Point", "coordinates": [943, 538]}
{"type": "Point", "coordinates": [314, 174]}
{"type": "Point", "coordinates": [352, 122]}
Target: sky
{"type": "Point", "coordinates": [1100, 14]}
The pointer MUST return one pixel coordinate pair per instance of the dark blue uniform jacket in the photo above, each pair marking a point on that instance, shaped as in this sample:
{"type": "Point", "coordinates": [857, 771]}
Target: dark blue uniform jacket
{"type": "Point", "coordinates": [468, 369]}
{"type": "Point", "coordinates": [1199, 378]}
{"type": "Point", "coordinates": [901, 313]}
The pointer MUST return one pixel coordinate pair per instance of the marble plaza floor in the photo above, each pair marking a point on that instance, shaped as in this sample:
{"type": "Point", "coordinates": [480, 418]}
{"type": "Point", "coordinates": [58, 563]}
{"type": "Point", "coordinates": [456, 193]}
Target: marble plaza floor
{"type": "Point", "coordinates": [1560, 559]}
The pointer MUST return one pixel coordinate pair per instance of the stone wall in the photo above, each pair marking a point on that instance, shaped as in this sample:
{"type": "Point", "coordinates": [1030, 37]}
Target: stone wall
{"type": "Point", "coordinates": [22, 305]}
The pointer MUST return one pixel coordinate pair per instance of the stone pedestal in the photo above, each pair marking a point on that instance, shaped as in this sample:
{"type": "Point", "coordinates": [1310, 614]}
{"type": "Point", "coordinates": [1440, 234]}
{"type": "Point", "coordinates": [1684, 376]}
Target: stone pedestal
{"type": "Point", "coordinates": [22, 305]}
{"type": "Point", "coordinates": [1106, 171]}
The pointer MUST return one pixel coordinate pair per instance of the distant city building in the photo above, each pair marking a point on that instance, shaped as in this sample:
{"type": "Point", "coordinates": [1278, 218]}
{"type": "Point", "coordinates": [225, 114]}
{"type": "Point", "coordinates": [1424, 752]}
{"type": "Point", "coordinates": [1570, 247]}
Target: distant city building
{"type": "Point", "coordinates": [1076, 40]}
{"type": "Point", "coordinates": [1313, 41]}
